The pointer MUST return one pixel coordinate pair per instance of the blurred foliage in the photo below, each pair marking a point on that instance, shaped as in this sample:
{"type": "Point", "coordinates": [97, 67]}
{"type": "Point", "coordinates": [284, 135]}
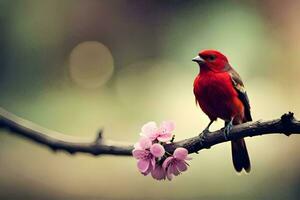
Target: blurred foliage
{"type": "Point", "coordinates": [77, 66]}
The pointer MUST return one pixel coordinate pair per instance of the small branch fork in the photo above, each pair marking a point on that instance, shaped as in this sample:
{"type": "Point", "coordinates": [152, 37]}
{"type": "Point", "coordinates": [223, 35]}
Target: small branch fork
{"type": "Point", "coordinates": [287, 125]}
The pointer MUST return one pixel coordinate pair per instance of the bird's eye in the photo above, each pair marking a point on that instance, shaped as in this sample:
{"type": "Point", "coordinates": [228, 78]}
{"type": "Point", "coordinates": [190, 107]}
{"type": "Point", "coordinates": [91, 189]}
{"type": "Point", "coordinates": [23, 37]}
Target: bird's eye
{"type": "Point", "coordinates": [211, 57]}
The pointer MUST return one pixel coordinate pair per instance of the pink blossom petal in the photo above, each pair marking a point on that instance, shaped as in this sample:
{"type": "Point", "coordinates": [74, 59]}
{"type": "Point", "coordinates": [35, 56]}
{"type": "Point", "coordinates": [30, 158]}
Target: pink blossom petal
{"type": "Point", "coordinates": [137, 146]}
{"type": "Point", "coordinates": [188, 158]}
{"type": "Point", "coordinates": [174, 169]}
{"type": "Point", "coordinates": [143, 165]}
{"type": "Point", "coordinates": [153, 162]}
{"type": "Point", "coordinates": [168, 126]}
{"type": "Point", "coordinates": [148, 171]}
{"type": "Point", "coordinates": [145, 143]}
{"type": "Point", "coordinates": [164, 137]}
{"type": "Point", "coordinates": [169, 174]}
{"type": "Point", "coordinates": [167, 162]}
{"type": "Point", "coordinates": [138, 153]}
{"type": "Point", "coordinates": [159, 173]}
{"type": "Point", "coordinates": [149, 128]}
{"type": "Point", "coordinates": [153, 136]}
{"type": "Point", "coordinates": [181, 166]}
{"type": "Point", "coordinates": [180, 153]}
{"type": "Point", "coordinates": [157, 150]}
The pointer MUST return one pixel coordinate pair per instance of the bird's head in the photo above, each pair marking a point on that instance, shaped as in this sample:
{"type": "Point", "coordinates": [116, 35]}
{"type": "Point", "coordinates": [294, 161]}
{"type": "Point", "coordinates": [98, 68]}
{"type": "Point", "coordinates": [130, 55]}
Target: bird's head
{"type": "Point", "coordinates": [211, 60]}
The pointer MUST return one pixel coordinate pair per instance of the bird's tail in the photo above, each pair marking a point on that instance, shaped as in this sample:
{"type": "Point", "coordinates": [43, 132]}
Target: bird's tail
{"type": "Point", "coordinates": [240, 156]}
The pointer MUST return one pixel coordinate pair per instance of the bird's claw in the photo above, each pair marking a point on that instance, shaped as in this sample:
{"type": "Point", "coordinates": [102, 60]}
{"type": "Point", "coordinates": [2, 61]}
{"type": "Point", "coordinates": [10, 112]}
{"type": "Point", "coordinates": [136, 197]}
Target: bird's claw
{"type": "Point", "coordinates": [204, 134]}
{"type": "Point", "coordinates": [227, 130]}
{"type": "Point", "coordinates": [203, 137]}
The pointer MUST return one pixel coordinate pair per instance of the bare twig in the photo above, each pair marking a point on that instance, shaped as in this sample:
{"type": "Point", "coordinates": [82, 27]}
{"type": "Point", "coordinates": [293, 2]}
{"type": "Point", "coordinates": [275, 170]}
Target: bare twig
{"type": "Point", "coordinates": [287, 125]}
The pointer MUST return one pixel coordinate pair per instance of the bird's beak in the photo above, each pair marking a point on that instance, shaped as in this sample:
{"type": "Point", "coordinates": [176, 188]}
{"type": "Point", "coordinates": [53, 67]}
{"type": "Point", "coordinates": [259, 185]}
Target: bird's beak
{"type": "Point", "coordinates": [198, 59]}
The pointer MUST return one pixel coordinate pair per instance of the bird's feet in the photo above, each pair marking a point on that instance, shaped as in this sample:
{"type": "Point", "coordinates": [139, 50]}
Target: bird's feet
{"type": "Point", "coordinates": [204, 134]}
{"type": "Point", "coordinates": [227, 130]}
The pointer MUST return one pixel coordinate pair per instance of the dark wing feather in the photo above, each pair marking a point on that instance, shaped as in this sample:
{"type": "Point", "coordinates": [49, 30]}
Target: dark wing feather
{"type": "Point", "coordinates": [239, 87]}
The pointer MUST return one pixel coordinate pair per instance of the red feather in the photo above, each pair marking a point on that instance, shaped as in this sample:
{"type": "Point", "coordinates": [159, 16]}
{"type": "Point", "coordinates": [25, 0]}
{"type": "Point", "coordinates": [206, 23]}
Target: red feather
{"type": "Point", "coordinates": [217, 97]}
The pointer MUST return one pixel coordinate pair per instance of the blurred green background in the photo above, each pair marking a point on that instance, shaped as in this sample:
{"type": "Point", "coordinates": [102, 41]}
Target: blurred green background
{"type": "Point", "coordinates": [75, 66]}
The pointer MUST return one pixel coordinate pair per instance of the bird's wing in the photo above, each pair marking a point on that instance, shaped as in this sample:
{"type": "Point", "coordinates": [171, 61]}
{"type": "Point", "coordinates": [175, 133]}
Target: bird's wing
{"type": "Point", "coordinates": [239, 87]}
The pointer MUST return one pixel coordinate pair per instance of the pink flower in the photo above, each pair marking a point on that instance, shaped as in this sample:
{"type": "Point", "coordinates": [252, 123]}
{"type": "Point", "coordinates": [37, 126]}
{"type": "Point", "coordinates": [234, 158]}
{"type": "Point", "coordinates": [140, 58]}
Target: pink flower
{"type": "Point", "coordinates": [150, 152]}
{"type": "Point", "coordinates": [146, 152]}
{"type": "Point", "coordinates": [176, 164]}
{"type": "Point", "coordinates": [146, 161]}
{"type": "Point", "coordinates": [162, 133]}
{"type": "Point", "coordinates": [159, 173]}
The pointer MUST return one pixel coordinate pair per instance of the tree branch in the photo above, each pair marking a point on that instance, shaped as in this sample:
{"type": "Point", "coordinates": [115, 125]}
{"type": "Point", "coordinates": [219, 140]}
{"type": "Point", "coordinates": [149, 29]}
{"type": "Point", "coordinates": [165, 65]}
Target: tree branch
{"type": "Point", "coordinates": [287, 125]}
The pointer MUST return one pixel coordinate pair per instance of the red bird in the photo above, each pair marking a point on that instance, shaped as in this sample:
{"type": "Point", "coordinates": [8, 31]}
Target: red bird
{"type": "Point", "coordinates": [220, 93]}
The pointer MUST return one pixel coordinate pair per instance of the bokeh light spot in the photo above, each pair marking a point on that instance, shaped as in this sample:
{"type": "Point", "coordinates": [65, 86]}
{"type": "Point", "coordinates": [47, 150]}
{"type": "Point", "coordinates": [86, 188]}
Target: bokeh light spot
{"type": "Point", "coordinates": [91, 64]}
